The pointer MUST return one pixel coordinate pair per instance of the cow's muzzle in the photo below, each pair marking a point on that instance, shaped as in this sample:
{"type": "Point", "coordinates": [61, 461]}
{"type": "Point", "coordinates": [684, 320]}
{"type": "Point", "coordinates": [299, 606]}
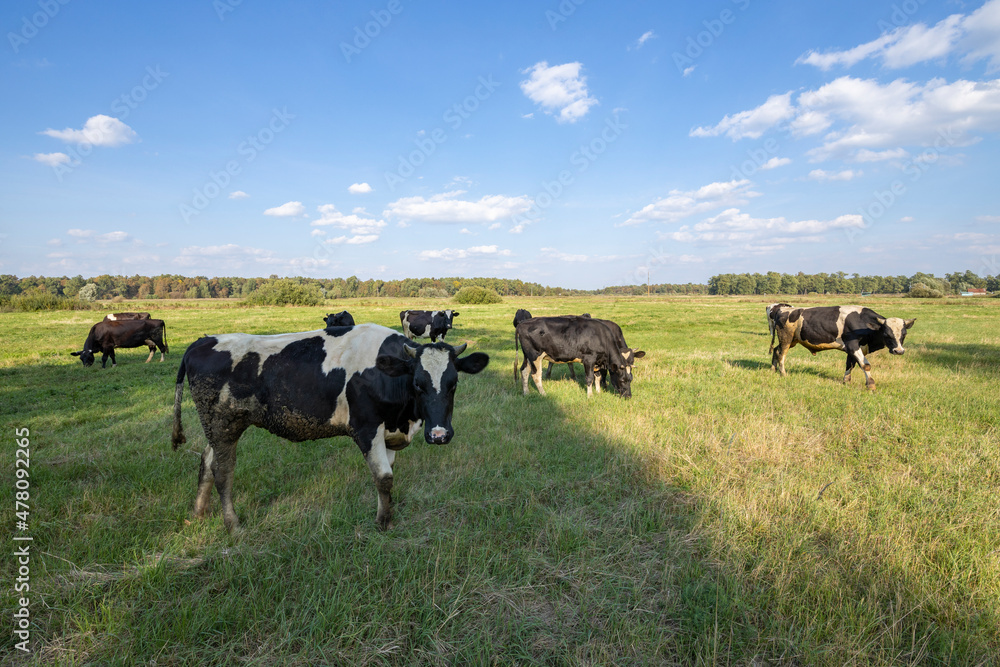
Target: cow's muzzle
{"type": "Point", "coordinates": [898, 350]}
{"type": "Point", "coordinates": [438, 435]}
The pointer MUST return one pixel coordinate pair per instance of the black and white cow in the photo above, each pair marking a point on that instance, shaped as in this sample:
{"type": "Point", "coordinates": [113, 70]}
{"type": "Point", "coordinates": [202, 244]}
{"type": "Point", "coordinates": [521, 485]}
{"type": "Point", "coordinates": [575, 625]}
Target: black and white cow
{"type": "Point", "coordinates": [772, 311]}
{"type": "Point", "coordinates": [341, 319]}
{"type": "Point", "coordinates": [114, 317]}
{"type": "Point", "coordinates": [572, 338]}
{"type": "Point", "coordinates": [856, 330]}
{"type": "Point", "coordinates": [431, 324]}
{"type": "Point", "coordinates": [107, 335]}
{"type": "Point", "coordinates": [572, 372]}
{"type": "Point", "coordinates": [366, 382]}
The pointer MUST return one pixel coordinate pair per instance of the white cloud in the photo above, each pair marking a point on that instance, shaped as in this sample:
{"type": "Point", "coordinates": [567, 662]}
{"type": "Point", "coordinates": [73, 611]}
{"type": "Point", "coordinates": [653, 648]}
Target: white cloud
{"type": "Point", "coordinates": [646, 36]}
{"type": "Point", "coordinates": [51, 159]}
{"type": "Point", "coordinates": [359, 189]}
{"type": "Point", "coordinates": [228, 256]}
{"type": "Point", "coordinates": [360, 228]}
{"type": "Point", "coordinates": [751, 123]}
{"type": "Point", "coordinates": [448, 208]}
{"type": "Point", "coordinates": [732, 227]}
{"type": "Point", "coordinates": [906, 218]}
{"type": "Point", "coordinates": [81, 234]}
{"type": "Point", "coordinates": [974, 37]}
{"type": "Point", "coordinates": [99, 130]}
{"type": "Point", "coordinates": [559, 88]}
{"type": "Point", "coordinates": [845, 175]}
{"type": "Point", "coordinates": [688, 70]}
{"type": "Point", "coordinates": [239, 194]}
{"type": "Point", "coordinates": [775, 162]}
{"type": "Point", "coordinates": [988, 218]}
{"type": "Point", "coordinates": [874, 121]}
{"type": "Point", "coordinates": [679, 204]}
{"type": "Point", "coordinates": [113, 237]}
{"type": "Point", "coordinates": [457, 253]}
{"type": "Point", "coordinates": [287, 210]}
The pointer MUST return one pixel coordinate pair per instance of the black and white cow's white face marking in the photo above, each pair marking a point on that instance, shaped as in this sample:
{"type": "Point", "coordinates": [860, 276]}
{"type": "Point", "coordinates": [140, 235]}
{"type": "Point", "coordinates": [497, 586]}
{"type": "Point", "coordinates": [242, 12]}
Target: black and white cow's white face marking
{"type": "Point", "coordinates": [894, 332]}
{"type": "Point", "coordinates": [434, 369]}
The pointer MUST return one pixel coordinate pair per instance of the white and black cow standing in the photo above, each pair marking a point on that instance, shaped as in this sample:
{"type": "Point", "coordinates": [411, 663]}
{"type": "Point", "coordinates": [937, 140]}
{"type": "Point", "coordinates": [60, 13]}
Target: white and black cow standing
{"type": "Point", "coordinates": [365, 382]}
{"type": "Point", "coordinates": [566, 338]}
{"type": "Point", "coordinates": [772, 311]}
{"type": "Point", "coordinates": [107, 335]}
{"type": "Point", "coordinates": [114, 317]}
{"type": "Point", "coordinates": [856, 330]}
{"type": "Point", "coordinates": [431, 324]}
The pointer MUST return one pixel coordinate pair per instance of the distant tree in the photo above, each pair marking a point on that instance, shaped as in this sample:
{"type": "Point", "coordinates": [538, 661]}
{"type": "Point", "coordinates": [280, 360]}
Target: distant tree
{"type": "Point", "coordinates": [88, 292]}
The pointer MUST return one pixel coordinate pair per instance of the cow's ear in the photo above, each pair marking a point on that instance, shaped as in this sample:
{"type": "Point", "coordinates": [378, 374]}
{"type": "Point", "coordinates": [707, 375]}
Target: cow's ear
{"type": "Point", "coordinates": [881, 321]}
{"type": "Point", "coordinates": [394, 366]}
{"type": "Point", "coordinates": [909, 323]}
{"type": "Point", "coordinates": [639, 354]}
{"type": "Point", "coordinates": [454, 313]}
{"type": "Point", "coordinates": [76, 354]}
{"type": "Point", "coordinates": [473, 363]}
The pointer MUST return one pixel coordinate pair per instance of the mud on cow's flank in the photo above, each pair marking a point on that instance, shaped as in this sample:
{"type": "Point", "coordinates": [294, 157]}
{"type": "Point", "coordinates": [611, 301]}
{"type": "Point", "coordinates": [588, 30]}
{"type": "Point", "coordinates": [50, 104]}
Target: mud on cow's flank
{"type": "Point", "coordinates": [366, 382]}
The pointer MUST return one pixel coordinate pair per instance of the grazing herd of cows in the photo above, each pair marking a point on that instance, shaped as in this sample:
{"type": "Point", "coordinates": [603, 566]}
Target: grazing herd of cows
{"type": "Point", "coordinates": [380, 388]}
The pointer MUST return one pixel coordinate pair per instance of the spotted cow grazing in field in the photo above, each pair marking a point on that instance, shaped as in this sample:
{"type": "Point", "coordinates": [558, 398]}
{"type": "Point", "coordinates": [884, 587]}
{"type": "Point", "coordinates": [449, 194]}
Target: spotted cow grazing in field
{"type": "Point", "coordinates": [114, 317]}
{"type": "Point", "coordinates": [366, 382]}
{"type": "Point", "coordinates": [580, 339]}
{"type": "Point", "coordinates": [107, 335]}
{"type": "Point", "coordinates": [431, 324]}
{"type": "Point", "coordinates": [856, 330]}
{"type": "Point", "coordinates": [572, 372]}
{"type": "Point", "coordinates": [341, 319]}
{"type": "Point", "coordinates": [772, 311]}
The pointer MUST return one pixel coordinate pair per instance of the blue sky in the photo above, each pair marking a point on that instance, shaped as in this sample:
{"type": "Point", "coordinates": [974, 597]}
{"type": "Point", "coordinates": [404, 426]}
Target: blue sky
{"type": "Point", "coordinates": [575, 143]}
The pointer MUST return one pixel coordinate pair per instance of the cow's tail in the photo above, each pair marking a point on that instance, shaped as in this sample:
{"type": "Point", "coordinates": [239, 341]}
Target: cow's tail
{"type": "Point", "coordinates": [774, 330]}
{"type": "Point", "coordinates": [178, 435]}
{"type": "Point", "coordinates": [166, 348]}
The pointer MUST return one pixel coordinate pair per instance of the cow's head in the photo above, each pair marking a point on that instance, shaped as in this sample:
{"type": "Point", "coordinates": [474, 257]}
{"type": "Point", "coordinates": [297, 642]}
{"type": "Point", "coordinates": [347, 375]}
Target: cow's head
{"type": "Point", "coordinates": [451, 315]}
{"type": "Point", "coordinates": [620, 371]}
{"type": "Point", "coordinates": [434, 371]}
{"type": "Point", "coordinates": [86, 356]}
{"type": "Point", "coordinates": [893, 330]}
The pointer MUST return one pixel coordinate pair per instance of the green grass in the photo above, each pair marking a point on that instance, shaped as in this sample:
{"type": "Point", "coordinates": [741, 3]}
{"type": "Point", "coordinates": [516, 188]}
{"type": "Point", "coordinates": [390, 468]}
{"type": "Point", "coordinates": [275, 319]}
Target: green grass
{"type": "Point", "coordinates": [723, 515]}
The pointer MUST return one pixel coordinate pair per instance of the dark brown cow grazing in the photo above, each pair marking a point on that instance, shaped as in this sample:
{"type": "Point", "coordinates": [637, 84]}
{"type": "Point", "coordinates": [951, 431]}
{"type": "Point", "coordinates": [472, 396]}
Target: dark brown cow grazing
{"type": "Point", "coordinates": [105, 336]}
{"type": "Point", "coordinates": [117, 317]}
{"type": "Point", "coordinates": [856, 330]}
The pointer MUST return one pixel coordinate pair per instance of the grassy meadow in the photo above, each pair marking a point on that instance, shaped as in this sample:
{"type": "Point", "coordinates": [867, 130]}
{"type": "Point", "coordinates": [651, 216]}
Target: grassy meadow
{"type": "Point", "coordinates": [723, 515]}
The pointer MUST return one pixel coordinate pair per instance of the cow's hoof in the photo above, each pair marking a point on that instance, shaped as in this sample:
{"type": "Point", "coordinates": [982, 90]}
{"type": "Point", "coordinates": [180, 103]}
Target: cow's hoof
{"type": "Point", "coordinates": [383, 523]}
{"type": "Point", "coordinates": [870, 386]}
{"type": "Point", "coordinates": [847, 379]}
{"type": "Point", "coordinates": [868, 367]}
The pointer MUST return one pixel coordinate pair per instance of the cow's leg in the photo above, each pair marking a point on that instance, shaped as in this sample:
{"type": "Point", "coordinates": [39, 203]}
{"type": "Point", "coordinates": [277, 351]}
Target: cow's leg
{"type": "Point", "coordinates": [588, 370]}
{"type": "Point", "coordinates": [206, 480]}
{"type": "Point", "coordinates": [536, 375]}
{"type": "Point", "coordinates": [548, 371]}
{"type": "Point", "coordinates": [223, 467]}
{"type": "Point", "coordinates": [152, 349]}
{"type": "Point", "coordinates": [851, 362]}
{"type": "Point", "coordinates": [524, 375]}
{"type": "Point", "coordinates": [572, 373]}
{"type": "Point", "coordinates": [380, 465]}
{"type": "Point", "coordinates": [778, 359]}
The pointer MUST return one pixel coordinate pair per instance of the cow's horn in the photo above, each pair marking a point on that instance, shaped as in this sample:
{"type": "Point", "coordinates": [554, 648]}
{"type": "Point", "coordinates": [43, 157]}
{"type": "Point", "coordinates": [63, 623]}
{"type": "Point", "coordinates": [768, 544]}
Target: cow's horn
{"type": "Point", "coordinates": [461, 348]}
{"type": "Point", "coordinates": [411, 351]}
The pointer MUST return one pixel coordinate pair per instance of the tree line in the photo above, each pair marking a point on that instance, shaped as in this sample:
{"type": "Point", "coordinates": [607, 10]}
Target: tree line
{"type": "Point", "coordinates": [172, 286]}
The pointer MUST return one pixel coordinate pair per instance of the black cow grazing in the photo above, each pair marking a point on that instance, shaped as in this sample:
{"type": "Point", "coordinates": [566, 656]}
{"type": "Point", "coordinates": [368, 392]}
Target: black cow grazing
{"type": "Point", "coordinates": [856, 330]}
{"type": "Point", "coordinates": [116, 317]}
{"type": "Point", "coordinates": [520, 316]}
{"type": "Point", "coordinates": [107, 335]}
{"type": "Point", "coordinates": [431, 324]}
{"type": "Point", "coordinates": [341, 319]}
{"type": "Point", "coordinates": [580, 339]}
{"type": "Point", "coordinates": [365, 382]}
{"type": "Point", "coordinates": [772, 311]}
